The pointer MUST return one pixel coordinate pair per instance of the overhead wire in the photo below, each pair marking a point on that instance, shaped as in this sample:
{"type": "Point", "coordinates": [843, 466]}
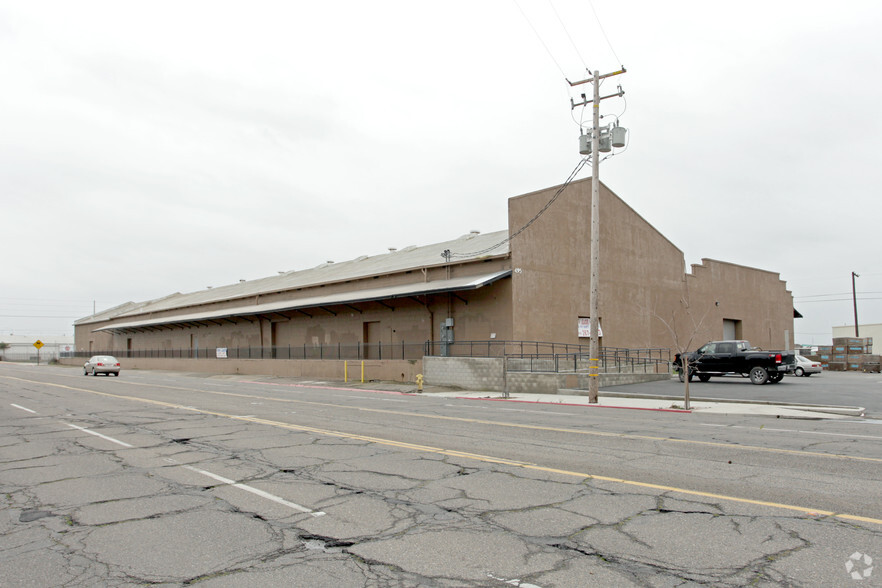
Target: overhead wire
{"type": "Point", "coordinates": [835, 300]}
{"type": "Point", "coordinates": [548, 204]}
{"type": "Point", "coordinates": [566, 30]}
{"type": "Point", "coordinates": [600, 24]}
{"type": "Point", "coordinates": [538, 36]}
{"type": "Point", "coordinates": [582, 162]}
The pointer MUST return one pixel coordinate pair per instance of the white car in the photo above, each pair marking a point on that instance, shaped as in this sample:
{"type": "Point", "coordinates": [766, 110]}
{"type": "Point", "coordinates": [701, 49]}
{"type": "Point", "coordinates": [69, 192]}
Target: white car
{"type": "Point", "coordinates": [806, 367]}
{"type": "Point", "coordinates": [101, 364]}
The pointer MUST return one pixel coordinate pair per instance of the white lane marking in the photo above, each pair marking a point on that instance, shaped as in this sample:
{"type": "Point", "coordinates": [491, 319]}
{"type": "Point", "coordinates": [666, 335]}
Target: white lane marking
{"type": "Point", "coordinates": [471, 406]}
{"type": "Point", "coordinates": [23, 408]}
{"type": "Point", "coordinates": [795, 431]}
{"type": "Point", "coordinates": [256, 491]}
{"type": "Point", "coordinates": [105, 437]}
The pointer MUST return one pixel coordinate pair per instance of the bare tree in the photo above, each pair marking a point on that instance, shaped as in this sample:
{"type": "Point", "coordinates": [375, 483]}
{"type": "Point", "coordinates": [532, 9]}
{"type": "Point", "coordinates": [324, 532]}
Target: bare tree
{"type": "Point", "coordinates": [683, 340]}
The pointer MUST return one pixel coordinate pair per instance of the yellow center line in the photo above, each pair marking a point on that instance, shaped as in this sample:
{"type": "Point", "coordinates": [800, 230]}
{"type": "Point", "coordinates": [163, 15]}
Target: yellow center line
{"type": "Point", "coordinates": [519, 425]}
{"type": "Point", "coordinates": [454, 453]}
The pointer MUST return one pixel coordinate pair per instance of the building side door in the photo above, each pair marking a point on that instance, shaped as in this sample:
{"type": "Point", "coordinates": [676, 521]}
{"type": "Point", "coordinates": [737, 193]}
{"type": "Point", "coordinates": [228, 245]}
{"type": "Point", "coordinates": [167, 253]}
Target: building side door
{"type": "Point", "coordinates": [372, 340]}
{"type": "Point", "coordinates": [731, 329]}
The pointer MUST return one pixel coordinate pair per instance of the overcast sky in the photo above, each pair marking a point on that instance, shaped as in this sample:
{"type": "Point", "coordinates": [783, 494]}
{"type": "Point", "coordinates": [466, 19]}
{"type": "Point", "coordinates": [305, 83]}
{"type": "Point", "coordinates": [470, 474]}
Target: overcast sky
{"type": "Point", "coordinates": [152, 148]}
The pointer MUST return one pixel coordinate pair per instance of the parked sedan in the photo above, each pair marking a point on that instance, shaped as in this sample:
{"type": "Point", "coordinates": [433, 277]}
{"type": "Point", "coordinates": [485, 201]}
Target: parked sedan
{"type": "Point", "coordinates": [806, 367]}
{"type": "Point", "coordinates": [101, 364]}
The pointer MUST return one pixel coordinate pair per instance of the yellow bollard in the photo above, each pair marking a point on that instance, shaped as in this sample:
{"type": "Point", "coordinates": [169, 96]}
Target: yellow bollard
{"type": "Point", "coordinates": [346, 371]}
{"type": "Point", "coordinates": [362, 372]}
{"type": "Point", "coordinates": [419, 381]}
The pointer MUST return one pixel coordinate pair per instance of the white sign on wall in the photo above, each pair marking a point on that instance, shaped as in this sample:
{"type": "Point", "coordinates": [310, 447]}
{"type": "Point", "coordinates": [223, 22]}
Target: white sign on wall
{"type": "Point", "coordinates": [222, 352]}
{"type": "Point", "coordinates": [585, 327]}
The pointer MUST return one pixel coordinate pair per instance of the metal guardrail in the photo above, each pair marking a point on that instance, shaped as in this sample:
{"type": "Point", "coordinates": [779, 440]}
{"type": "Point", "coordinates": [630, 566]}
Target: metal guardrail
{"type": "Point", "coordinates": [498, 348]}
{"type": "Point", "coordinates": [356, 351]}
{"type": "Point", "coordinates": [532, 356]}
{"type": "Point", "coordinates": [611, 361]}
{"type": "Point", "coordinates": [539, 356]}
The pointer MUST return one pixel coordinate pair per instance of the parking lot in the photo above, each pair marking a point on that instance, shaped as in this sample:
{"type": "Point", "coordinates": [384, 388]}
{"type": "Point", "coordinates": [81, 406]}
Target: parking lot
{"type": "Point", "coordinates": [838, 388]}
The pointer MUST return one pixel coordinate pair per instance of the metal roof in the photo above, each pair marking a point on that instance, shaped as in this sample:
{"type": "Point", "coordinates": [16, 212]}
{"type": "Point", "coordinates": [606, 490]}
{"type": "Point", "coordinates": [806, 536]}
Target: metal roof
{"type": "Point", "coordinates": [389, 292]}
{"type": "Point", "coordinates": [466, 248]}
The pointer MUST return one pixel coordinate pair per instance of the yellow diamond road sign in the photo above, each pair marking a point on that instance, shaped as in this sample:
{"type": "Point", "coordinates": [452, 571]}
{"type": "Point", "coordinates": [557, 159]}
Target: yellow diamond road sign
{"type": "Point", "coordinates": [38, 344]}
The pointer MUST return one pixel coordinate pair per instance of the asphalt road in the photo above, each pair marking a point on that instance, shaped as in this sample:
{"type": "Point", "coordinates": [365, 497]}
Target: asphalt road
{"type": "Point", "coordinates": [179, 479]}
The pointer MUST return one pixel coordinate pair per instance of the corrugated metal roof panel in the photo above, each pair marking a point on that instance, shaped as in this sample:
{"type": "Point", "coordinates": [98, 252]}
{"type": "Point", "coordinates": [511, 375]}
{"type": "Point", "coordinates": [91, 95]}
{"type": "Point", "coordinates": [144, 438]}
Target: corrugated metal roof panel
{"type": "Point", "coordinates": [408, 258]}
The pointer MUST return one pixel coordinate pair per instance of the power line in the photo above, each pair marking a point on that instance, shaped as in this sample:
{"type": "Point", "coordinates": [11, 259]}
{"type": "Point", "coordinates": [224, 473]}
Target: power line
{"type": "Point", "coordinates": [538, 36]}
{"type": "Point", "coordinates": [831, 294]}
{"type": "Point", "coordinates": [573, 43]}
{"type": "Point", "coordinates": [599, 24]}
{"type": "Point", "coordinates": [39, 316]}
{"type": "Point", "coordinates": [833, 300]}
{"type": "Point", "coordinates": [560, 190]}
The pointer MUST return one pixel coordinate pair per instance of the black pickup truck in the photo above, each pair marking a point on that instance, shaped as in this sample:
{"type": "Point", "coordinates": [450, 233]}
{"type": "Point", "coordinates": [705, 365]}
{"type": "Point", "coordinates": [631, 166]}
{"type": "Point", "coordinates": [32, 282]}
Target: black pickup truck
{"type": "Point", "coordinates": [719, 358]}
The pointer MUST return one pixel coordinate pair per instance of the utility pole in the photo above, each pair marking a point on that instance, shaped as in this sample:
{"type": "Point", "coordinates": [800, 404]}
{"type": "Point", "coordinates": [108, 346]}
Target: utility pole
{"type": "Point", "coordinates": [854, 299]}
{"type": "Point", "coordinates": [594, 347]}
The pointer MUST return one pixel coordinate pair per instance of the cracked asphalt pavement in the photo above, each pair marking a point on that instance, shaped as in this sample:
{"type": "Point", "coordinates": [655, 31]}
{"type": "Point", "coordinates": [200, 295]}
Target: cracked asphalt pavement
{"type": "Point", "coordinates": [175, 479]}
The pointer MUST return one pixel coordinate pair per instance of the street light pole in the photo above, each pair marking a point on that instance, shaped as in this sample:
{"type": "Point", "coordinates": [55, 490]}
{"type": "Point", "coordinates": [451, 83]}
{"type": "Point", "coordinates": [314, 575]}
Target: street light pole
{"type": "Point", "coordinates": [854, 299]}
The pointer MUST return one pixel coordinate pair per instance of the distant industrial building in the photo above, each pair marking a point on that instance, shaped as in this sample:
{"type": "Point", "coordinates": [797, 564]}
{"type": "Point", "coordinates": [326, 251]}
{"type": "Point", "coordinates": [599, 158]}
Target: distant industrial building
{"type": "Point", "coordinates": [33, 348]}
{"type": "Point", "coordinates": [478, 288]}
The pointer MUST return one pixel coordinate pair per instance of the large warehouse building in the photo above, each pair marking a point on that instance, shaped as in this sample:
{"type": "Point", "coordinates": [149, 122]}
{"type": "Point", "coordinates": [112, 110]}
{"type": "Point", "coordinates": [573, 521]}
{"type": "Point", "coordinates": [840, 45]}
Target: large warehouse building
{"type": "Point", "coordinates": [477, 288]}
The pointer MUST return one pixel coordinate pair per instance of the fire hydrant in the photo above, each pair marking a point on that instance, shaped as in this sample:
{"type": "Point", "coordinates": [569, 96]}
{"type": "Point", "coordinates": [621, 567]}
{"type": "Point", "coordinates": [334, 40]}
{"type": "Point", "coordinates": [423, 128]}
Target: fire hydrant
{"type": "Point", "coordinates": [419, 381]}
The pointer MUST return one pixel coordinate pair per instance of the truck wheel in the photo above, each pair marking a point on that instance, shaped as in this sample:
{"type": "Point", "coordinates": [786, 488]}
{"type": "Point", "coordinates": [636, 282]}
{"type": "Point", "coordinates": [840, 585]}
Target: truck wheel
{"type": "Point", "coordinates": [759, 375]}
{"type": "Point", "coordinates": [683, 376]}
{"type": "Point", "coordinates": [704, 377]}
{"type": "Point", "coordinates": [775, 378]}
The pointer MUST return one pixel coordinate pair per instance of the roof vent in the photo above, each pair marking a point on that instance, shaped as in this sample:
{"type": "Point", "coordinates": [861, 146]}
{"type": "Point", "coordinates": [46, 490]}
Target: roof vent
{"type": "Point", "coordinates": [393, 249]}
{"type": "Point", "coordinates": [474, 232]}
{"type": "Point", "coordinates": [329, 262]}
{"type": "Point", "coordinates": [241, 281]}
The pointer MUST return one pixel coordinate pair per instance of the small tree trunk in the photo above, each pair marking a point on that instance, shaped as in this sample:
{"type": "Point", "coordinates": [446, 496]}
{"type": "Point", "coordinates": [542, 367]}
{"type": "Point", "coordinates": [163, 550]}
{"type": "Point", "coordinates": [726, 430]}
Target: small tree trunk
{"type": "Point", "coordinates": [688, 372]}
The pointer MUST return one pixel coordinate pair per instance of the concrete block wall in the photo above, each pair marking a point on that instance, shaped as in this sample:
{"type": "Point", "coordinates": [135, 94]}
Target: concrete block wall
{"type": "Point", "coordinates": [474, 373]}
{"type": "Point", "coordinates": [468, 373]}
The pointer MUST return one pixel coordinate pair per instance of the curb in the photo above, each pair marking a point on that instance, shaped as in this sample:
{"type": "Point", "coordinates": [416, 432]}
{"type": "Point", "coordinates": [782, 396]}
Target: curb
{"type": "Point", "coordinates": [575, 404]}
{"type": "Point", "coordinates": [831, 409]}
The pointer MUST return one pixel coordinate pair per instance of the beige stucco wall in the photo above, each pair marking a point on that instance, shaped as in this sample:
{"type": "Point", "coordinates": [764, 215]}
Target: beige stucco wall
{"type": "Point", "coordinates": [643, 283]}
{"type": "Point", "coordinates": [757, 298]}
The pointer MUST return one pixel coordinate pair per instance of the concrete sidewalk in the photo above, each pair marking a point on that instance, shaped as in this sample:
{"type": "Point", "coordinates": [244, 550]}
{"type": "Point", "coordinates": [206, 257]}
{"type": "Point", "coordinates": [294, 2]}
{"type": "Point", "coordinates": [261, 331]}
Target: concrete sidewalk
{"type": "Point", "coordinates": [613, 400]}
{"type": "Point", "coordinates": [610, 399]}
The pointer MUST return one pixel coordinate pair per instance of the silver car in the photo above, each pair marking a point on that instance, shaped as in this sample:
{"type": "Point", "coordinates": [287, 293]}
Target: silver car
{"type": "Point", "coordinates": [101, 364]}
{"type": "Point", "coordinates": [806, 367]}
